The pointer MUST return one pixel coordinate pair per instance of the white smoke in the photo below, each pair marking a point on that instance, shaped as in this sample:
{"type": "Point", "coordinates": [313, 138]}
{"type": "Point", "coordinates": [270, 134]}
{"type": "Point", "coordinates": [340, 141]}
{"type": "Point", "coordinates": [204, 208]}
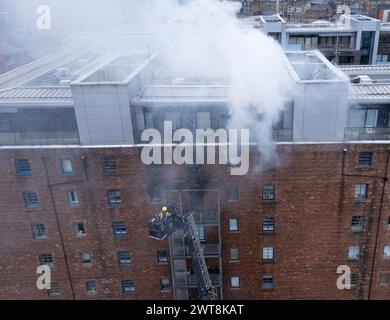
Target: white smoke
{"type": "Point", "coordinates": [206, 35]}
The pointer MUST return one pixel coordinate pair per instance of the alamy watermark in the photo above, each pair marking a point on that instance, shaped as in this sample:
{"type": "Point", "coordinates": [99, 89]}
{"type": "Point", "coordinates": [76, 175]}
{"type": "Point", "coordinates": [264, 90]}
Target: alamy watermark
{"type": "Point", "coordinates": [44, 280]}
{"type": "Point", "coordinates": [344, 281]}
{"type": "Point", "coordinates": [178, 147]}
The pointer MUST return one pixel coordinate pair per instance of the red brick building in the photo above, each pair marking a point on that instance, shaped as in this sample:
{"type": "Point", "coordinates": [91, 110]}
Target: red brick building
{"type": "Point", "coordinates": [312, 210]}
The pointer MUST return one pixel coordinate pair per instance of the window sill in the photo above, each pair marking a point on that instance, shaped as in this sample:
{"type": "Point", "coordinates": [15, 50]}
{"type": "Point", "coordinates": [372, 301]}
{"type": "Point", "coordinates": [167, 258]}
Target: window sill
{"type": "Point", "coordinates": [363, 168]}
{"type": "Point", "coordinates": [163, 263]}
{"type": "Point", "coordinates": [268, 233]}
{"type": "Point", "coordinates": [165, 290]}
{"type": "Point", "coordinates": [234, 261]}
{"type": "Point", "coordinates": [235, 289]}
{"type": "Point", "coordinates": [232, 200]}
{"type": "Point", "coordinates": [233, 231]}
{"type": "Point", "coordinates": [268, 261]}
{"type": "Point", "coordinates": [267, 289]}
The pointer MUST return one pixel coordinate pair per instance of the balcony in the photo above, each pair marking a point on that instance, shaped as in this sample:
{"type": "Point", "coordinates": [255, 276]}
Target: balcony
{"type": "Point", "coordinates": [39, 138]}
{"type": "Point", "coordinates": [367, 133]}
{"type": "Point", "coordinates": [214, 277]}
{"type": "Point", "coordinates": [206, 217]}
{"type": "Point", "coordinates": [209, 250]}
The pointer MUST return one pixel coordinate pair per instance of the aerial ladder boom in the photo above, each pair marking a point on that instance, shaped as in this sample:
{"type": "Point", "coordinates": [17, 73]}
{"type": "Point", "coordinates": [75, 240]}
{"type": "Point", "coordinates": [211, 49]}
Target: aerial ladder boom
{"type": "Point", "coordinates": [170, 220]}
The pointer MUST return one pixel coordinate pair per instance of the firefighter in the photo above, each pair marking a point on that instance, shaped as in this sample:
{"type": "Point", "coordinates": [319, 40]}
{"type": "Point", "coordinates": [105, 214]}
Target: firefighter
{"type": "Point", "coordinates": [164, 212]}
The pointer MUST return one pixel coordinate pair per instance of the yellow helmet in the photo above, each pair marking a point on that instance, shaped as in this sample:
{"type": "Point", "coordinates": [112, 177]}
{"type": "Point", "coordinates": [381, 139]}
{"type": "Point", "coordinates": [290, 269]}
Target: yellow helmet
{"type": "Point", "coordinates": [164, 209]}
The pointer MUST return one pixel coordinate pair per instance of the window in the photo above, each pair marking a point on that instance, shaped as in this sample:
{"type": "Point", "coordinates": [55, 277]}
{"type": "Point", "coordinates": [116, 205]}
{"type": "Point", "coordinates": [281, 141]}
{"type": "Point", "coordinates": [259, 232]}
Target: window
{"type": "Point", "coordinates": [357, 223]}
{"type": "Point", "coordinates": [39, 231]}
{"type": "Point", "coordinates": [66, 166]}
{"type": "Point", "coordinates": [79, 229]}
{"type": "Point", "coordinates": [90, 286]}
{"type": "Point", "coordinates": [109, 164]}
{"type": "Point", "coordinates": [165, 284]}
{"type": "Point", "coordinates": [388, 223]}
{"type": "Point", "coordinates": [119, 229]}
{"type": "Point", "coordinates": [233, 224]}
{"type": "Point", "coordinates": [54, 289]}
{"type": "Point", "coordinates": [267, 282]}
{"type": "Point", "coordinates": [268, 224]}
{"type": "Point", "coordinates": [73, 198]}
{"type": "Point", "coordinates": [384, 278]}
{"type": "Point", "coordinates": [233, 193]}
{"type": "Point", "coordinates": [114, 196]}
{"type": "Point", "coordinates": [353, 252]}
{"type": "Point", "coordinates": [162, 256]}
{"type": "Point", "coordinates": [155, 194]}
{"type": "Point", "coordinates": [201, 233]}
{"type": "Point", "coordinates": [85, 258]}
{"type": "Point", "coordinates": [365, 160]}
{"type": "Point", "coordinates": [235, 282]}
{"type": "Point", "coordinates": [46, 259]}
{"type": "Point", "coordinates": [30, 199]}
{"type": "Point", "coordinates": [23, 166]}
{"type": "Point", "coordinates": [234, 254]}
{"type": "Point", "coordinates": [354, 280]}
{"type": "Point", "coordinates": [269, 162]}
{"type": "Point", "coordinates": [124, 259]}
{"type": "Point", "coordinates": [269, 193]}
{"type": "Point", "coordinates": [386, 251]}
{"type": "Point", "coordinates": [268, 254]}
{"type": "Point", "coordinates": [128, 286]}
{"type": "Point", "coordinates": [361, 191]}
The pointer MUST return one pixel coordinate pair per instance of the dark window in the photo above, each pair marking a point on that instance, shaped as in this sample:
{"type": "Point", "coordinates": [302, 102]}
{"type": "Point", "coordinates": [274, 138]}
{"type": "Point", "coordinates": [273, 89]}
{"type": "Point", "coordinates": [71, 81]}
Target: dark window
{"type": "Point", "coordinates": [233, 193]}
{"type": "Point", "coordinates": [30, 199]}
{"type": "Point", "coordinates": [268, 224]}
{"type": "Point", "coordinates": [73, 198]}
{"type": "Point", "coordinates": [354, 280]}
{"type": "Point", "coordinates": [54, 289]}
{"type": "Point", "coordinates": [165, 284]}
{"type": "Point", "coordinates": [85, 258]}
{"type": "Point", "coordinates": [155, 193]}
{"type": "Point", "coordinates": [162, 256]}
{"type": "Point", "coordinates": [119, 229]}
{"type": "Point", "coordinates": [361, 190]}
{"type": "Point", "coordinates": [46, 259]}
{"type": "Point", "coordinates": [79, 229]}
{"type": "Point", "coordinates": [354, 252]}
{"type": "Point", "coordinates": [23, 166]}
{"type": "Point", "coordinates": [128, 286]}
{"type": "Point", "coordinates": [39, 231]}
{"type": "Point", "coordinates": [267, 282]}
{"type": "Point", "coordinates": [357, 223]}
{"type": "Point", "coordinates": [269, 192]}
{"type": "Point", "coordinates": [124, 258]}
{"type": "Point", "coordinates": [234, 254]}
{"type": "Point", "coordinates": [114, 196]}
{"type": "Point", "coordinates": [269, 163]}
{"type": "Point", "coordinates": [365, 159]}
{"type": "Point", "coordinates": [384, 278]}
{"type": "Point", "coordinates": [388, 223]}
{"type": "Point", "coordinates": [109, 164]}
{"type": "Point", "coordinates": [233, 224]}
{"type": "Point", "coordinates": [90, 286]}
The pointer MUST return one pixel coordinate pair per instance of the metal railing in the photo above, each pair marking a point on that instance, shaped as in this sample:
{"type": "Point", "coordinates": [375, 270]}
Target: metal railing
{"type": "Point", "coordinates": [209, 249]}
{"type": "Point", "coordinates": [214, 277]}
{"type": "Point", "coordinates": [367, 133]}
{"type": "Point", "coordinates": [39, 138]}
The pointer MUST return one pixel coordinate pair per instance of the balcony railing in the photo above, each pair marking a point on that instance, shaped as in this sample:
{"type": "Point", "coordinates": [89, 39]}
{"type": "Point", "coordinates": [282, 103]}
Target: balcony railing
{"type": "Point", "coordinates": [209, 249]}
{"type": "Point", "coordinates": [39, 138]}
{"type": "Point", "coordinates": [214, 277]}
{"type": "Point", "coordinates": [367, 133]}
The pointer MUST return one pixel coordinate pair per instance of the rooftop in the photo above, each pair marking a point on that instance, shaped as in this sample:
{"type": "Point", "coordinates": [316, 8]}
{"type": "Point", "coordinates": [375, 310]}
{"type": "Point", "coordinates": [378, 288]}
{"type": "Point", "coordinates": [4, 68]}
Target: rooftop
{"type": "Point", "coordinates": [37, 95]}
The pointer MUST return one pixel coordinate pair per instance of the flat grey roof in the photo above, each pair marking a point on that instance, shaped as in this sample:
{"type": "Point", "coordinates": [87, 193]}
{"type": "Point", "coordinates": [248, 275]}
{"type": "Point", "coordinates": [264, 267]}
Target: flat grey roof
{"type": "Point", "coordinates": [371, 91]}
{"type": "Point", "coordinates": [34, 95]}
{"type": "Point", "coordinates": [186, 93]}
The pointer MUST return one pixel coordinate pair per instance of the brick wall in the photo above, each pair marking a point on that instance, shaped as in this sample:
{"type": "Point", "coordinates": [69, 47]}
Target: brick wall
{"type": "Point", "coordinates": [313, 210]}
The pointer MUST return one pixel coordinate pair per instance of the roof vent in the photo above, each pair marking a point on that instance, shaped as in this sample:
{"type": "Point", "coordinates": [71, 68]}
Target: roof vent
{"type": "Point", "coordinates": [362, 79]}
